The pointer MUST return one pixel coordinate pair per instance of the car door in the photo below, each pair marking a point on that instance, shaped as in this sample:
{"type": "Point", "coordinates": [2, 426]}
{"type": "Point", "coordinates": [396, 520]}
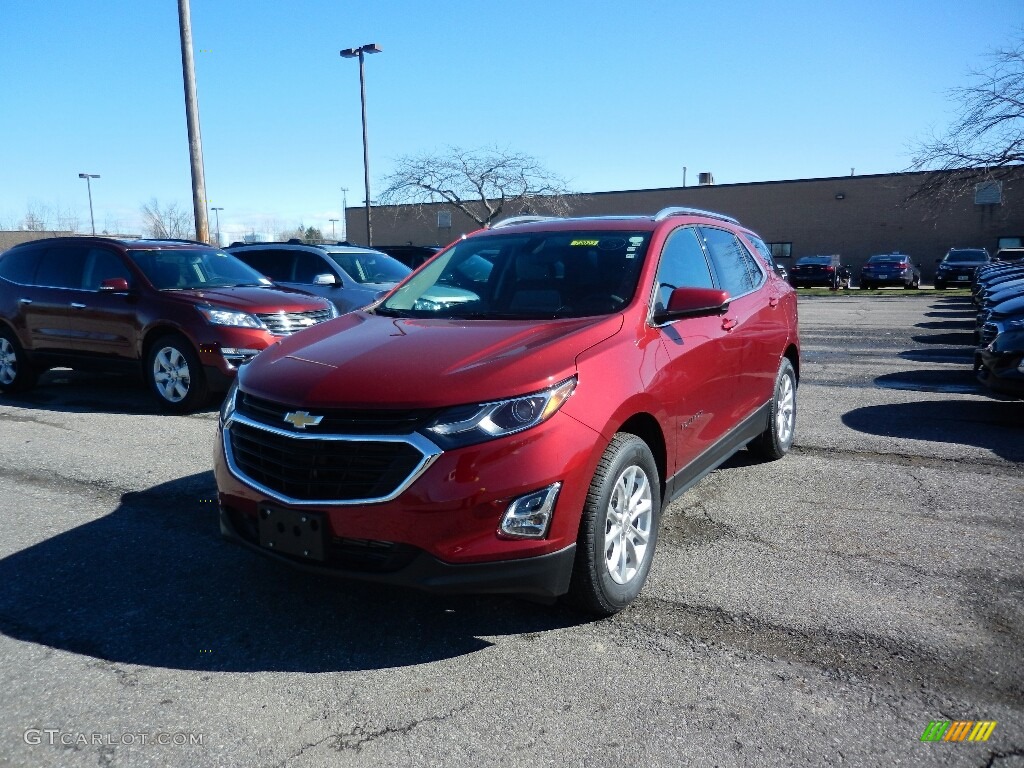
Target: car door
{"type": "Point", "coordinates": [751, 321]}
{"type": "Point", "coordinates": [104, 322]}
{"type": "Point", "coordinates": [696, 382]}
{"type": "Point", "coordinates": [46, 304]}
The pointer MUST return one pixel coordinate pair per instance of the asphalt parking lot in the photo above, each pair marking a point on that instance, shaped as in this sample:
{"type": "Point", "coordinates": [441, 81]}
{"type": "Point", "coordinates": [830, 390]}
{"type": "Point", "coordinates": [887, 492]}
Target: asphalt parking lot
{"type": "Point", "coordinates": [820, 610]}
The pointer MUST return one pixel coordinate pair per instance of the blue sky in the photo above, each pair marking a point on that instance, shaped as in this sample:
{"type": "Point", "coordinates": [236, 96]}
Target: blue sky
{"type": "Point", "coordinates": [609, 95]}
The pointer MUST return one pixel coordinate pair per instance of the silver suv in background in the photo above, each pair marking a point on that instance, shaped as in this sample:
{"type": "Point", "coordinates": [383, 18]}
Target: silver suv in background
{"type": "Point", "coordinates": [348, 276]}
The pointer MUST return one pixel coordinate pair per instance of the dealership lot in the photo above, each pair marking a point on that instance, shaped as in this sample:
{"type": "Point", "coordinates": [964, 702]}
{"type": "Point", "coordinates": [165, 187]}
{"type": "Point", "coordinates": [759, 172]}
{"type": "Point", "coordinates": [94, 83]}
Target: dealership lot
{"type": "Point", "coordinates": [820, 609]}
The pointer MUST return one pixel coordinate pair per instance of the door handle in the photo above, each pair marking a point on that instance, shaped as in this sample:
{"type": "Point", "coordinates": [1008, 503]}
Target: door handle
{"type": "Point", "coordinates": [24, 301]}
{"type": "Point", "coordinates": [76, 305]}
{"type": "Point", "coordinates": [773, 301]}
{"type": "Point", "coordinates": [728, 323]}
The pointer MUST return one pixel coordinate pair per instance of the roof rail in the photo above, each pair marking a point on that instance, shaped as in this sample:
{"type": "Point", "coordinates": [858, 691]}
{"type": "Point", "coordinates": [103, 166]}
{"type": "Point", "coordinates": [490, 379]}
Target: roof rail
{"type": "Point", "coordinates": [522, 220]}
{"type": "Point", "coordinates": [664, 213]}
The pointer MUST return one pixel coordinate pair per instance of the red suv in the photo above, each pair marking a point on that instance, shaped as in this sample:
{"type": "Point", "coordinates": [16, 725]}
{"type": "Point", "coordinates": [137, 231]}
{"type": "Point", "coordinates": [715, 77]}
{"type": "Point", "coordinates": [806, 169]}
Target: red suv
{"type": "Point", "coordinates": [187, 313]}
{"type": "Point", "coordinates": [514, 416]}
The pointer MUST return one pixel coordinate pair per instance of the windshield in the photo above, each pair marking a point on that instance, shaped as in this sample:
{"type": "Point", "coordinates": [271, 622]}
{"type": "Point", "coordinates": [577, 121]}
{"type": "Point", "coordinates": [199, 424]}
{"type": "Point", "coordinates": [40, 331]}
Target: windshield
{"type": "Point", "coordinates": [181, 269]}
{"type": "Point", "coordinates": [815, 260]}
{"type": "Point", "coordinates": [371, 267]}
{"type": "Point", "coordinates": [526, 276]}
{"type": "Point", "coordinates": [888, 258]}
{"type": "Point", "coordinates": [966, 256]}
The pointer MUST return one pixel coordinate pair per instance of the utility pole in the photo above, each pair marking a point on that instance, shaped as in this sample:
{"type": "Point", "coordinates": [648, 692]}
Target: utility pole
{"type": "Point", "coordinates": [344, 214]}
{"type": "Point", "coordinates": [353, 53]}
{"type": "Point", "coordinates": [195, 140]}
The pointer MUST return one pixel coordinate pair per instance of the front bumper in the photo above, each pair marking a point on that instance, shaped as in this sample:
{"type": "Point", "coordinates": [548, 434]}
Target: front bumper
{"type": "Point", "coordinates": [543, 576]}
{"type": "Point", "coordinates": [440, 532]}
{"type": "Point", "coordinates": [885, 279]}
{"type": "Point", "coordinates": [1000, 371]}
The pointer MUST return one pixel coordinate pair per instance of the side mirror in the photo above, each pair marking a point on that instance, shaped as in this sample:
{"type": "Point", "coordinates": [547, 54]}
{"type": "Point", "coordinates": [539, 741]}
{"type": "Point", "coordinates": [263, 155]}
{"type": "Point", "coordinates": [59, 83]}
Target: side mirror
{"type": "Point", "coordinates": [115, 284]}
{"type": "Point", "coordinates": [694, 302]}
{"type": "Point", "coordinates": [325, 279]}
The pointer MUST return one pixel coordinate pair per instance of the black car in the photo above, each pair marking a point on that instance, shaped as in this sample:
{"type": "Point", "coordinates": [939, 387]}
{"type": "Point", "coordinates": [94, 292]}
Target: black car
{"type": "Point", "coordinates": [348, 276]}
{"type": "Point", "coordinates": [959, 266]}
{"type": "Point", "coordinates": [821, 271]}
{"type": "Point", "coordinates": [890, 269]}
{"type": "Point", "coordinates": [1000, 365]}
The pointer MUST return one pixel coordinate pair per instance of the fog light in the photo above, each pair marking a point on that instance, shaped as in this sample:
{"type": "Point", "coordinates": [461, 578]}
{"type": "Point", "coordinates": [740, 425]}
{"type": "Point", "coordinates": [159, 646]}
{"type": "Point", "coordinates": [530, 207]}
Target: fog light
{"type": "Point", "coordinates": [236, 357]}
{"type": "Point", "coordinates": [529, 516]}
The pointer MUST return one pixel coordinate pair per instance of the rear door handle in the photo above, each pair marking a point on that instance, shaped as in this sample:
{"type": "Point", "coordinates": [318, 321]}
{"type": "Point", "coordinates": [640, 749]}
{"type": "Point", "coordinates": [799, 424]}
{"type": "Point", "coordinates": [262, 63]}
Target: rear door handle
{"type": "Point", "coordinates": [24, 301]}
{"type": "Point", "coordinates": [76, 305]}
{"type": "Point", "coordinates": [728, 323]}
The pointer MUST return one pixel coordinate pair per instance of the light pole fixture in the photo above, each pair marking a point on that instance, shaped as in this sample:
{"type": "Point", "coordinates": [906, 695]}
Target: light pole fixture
{"type": "Point", "coordinates": [88, 184]}
{"type": "Point", "coordinates": [344, 214]}
{"type": "Point", "coordinates": [334, 234]}
{"type": "Point", "coordinates": [352, 53]}
{"type": "Point", "coordinates": [216, 214]}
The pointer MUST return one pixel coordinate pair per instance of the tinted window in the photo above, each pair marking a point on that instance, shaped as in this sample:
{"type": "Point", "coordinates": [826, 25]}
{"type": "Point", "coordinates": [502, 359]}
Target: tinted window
{"type": "Point", "coordinates": [194, 268]}
{"type": "Point", "coordinates": [62, 266]}
{"type": "Point", "coordinates": [735, 266]}
{"type": "Point", "coordinates": [814, 260]}
{"type": "Point", "coordinates": [369, 267]}
{"type": "Point", "coordinates": [762, 248]}
{"type": "Point", "coordinates": [20, 266]}
{"type": "Point", "coordinates": [308, 265]}
{"type": "Point", "coordinates": [277, 265]}
{"type": "Point", "coordinates": [683, 264]}
{"type": "Point", "coordinates": [103, 265]}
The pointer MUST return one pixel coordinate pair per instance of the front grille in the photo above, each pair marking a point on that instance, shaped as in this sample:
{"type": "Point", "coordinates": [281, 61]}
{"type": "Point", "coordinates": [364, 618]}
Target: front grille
{"type": "Point", "coordinates": [988, 332]}
{"type": "Point", "coordinates": [344, 421]}
{"type": "Point", "coordinates": [321, 469]}
{"type": "Point", "coordinates": [287, 323]}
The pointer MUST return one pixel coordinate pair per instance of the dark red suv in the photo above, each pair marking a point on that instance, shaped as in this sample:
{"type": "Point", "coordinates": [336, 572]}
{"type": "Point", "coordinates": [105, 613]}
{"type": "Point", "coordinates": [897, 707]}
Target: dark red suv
{"type": "Point", "coordinates": [188, 314]}
{"type": "Point", "coordinates": [514, 416]}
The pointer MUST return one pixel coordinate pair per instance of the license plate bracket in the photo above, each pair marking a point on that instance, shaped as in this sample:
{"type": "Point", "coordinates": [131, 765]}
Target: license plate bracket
{"type": "Point", "coordinates": [289, 532]}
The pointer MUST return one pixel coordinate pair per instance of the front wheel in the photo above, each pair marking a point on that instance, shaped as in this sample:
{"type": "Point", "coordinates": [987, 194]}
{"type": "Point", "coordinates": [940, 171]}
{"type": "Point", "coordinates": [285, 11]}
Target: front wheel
{"type": "Point", "coordinates": [619, 528]}
{"type": "Point", "coordinates": [777, 438]}
{"type": "Point", "coordinates": [175, 375]}
{"type": "Point", "coordinates": [17, 374]}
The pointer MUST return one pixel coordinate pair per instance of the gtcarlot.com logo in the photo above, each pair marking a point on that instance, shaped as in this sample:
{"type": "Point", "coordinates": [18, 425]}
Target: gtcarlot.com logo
{"type": "Point", "coordinates": [958, 730]}
{"type": "Point", "coordinates": [55, 736]}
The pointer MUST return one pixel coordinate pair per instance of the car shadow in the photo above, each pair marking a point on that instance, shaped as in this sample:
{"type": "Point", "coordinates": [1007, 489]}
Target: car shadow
{"type": "Point", "coordinates": [947, 325]}
{"type": "Point", "coordinates": [152, 583]}
{"type": "Point", "coordinates": [957, 355]}
{"type": "Point", "coordinates": [993, 424]}
{"type": "Point", "coordinates": [964, 338]}
{"type": "Point", "coordinates": [67, 391]}
{"type": "Point", "coordinates": [959, 313]}
{"type": "Point", "coordinates": [962, 381]}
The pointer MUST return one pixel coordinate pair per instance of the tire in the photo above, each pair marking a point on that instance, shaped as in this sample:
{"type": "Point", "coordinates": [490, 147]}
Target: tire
{"type": "Point", "coordinates": [610, 570]}
{"type": "Point", "coordinates": [175, 375]}
{"type": "Point", "coordinates": [17, 374]}
{"type": "Point", "coordinates": [777, 438]}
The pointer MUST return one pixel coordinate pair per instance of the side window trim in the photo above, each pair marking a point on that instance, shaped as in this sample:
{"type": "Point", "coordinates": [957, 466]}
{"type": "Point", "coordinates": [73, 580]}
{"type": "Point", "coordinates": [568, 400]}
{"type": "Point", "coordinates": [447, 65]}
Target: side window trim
{"type": "Point", "coordinates": [762, 275]}
{"type": "Point", "coordinates": [653, 297]}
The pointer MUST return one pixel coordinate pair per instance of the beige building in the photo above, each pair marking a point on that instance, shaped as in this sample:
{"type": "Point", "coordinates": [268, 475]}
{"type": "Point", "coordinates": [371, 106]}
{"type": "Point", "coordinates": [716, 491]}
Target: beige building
{"type": "Point", "coordinates": [854, 216]}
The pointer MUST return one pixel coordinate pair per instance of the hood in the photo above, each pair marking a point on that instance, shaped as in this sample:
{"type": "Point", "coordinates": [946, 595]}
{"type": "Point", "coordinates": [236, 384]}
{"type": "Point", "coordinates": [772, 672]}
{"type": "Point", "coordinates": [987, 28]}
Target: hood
{"type": "Point", "coordinates": [370, 361]}
{"type": "Point", "coordinates": [250, 299]}
{"type": "Point", "coordinates": [1014, 306]}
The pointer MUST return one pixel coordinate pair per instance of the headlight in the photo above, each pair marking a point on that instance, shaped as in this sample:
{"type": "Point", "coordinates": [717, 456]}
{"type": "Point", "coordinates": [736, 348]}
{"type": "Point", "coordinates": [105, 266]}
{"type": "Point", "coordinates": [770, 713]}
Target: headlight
{"type": "Point", "coordinates": [219, 316]}
{"type": "Point", "coordinates": [1014, 324]}
{"type": "Point", "coordinates": [469, 424]}
{"type": "Point", "coordinates": [227, 408]}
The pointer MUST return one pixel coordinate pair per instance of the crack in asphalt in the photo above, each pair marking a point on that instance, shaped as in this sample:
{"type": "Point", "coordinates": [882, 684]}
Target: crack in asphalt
{"type": "Point", "coordinates": [977, 465]}
{"type": "Point", "coordinates": [16, 419]}
{"type": "Point", "coordinates": [1002, 755]}
{"type": "Point", "coordinates": [841, 656]}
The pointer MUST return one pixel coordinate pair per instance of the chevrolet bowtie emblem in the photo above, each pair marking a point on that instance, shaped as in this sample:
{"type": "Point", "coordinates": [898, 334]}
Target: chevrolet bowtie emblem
{"type": "Point", "coordinates": [302, 419]}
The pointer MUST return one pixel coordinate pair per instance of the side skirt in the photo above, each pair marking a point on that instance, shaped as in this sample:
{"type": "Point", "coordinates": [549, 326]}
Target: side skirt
{"type": "Point", "coordinates": [718, 454]}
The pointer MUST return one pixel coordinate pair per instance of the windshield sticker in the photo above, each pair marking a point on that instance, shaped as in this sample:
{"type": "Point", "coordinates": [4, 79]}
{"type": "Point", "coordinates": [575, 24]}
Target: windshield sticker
{"type": "Point", "coordinates": [584, 243]}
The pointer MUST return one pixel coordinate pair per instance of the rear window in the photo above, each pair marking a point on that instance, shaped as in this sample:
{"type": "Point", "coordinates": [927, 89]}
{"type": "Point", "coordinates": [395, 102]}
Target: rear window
{"type": "Point", "coordinates": [888, 258]}
{"type": "Point", "coordinates": [371, 267]}
{"type": "Point", "coordinates": [815, 260]}
{"type": "Point", "coordinates": [19, 266]}
{"type": "Point", "coordinates": [966, 256]}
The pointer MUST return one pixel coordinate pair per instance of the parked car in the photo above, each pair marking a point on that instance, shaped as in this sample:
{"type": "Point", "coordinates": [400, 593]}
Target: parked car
{"type": "Point", "coordinates": [525, 440]}
{"type": "Point", "coordinates": [823, 271]}
{"type": "Point", "coordinates": [890, 269]}
{"type": "Point", "coordinates": [410, 255]}
{"type": "Point", "coordinates": [185, 315]}
{"type": "Point", "coordinates": [1000, 365]}
{"type": "Point", "coordinates": [1010, 254]}
{"type": "Point", "coordinates": [1004, 316]}
{"type": "Point", "coordinates": [959, 266]}
{"type": "Point", "coordinates": [348, 276]}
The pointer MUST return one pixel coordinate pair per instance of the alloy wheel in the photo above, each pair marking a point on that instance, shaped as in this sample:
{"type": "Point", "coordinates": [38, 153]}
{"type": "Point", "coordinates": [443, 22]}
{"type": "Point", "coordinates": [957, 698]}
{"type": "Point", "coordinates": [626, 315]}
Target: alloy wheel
{"type": "Point", "coordinates": [628, 521]}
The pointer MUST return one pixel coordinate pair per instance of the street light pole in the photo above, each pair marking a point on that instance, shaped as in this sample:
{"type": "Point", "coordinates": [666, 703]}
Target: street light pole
{"type": "Point", "coordinates": [216, 213]}
{"type": "Point", "coordinates": [88, 185]}
{"type": "Point", "coordinates": [351, 53]}
{"type": "Point", "coordinates": [334, 235]}
{"type": "Point", "coordinates": [344, 214]}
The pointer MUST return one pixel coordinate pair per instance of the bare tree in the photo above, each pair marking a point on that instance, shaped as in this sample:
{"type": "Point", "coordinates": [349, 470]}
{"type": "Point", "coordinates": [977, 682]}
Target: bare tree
{"type": "Point", "coordinates": [986, 139]}
{"type": "Point", "coordinates": [482, 183]}
{"type": "Point", "coordinates": [168, 221]}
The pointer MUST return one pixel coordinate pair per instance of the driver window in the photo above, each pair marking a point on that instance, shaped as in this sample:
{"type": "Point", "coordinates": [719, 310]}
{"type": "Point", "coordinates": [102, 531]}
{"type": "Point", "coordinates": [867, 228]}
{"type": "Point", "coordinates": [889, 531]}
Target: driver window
{"type": "Point", "coordinates": [683, 264]}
